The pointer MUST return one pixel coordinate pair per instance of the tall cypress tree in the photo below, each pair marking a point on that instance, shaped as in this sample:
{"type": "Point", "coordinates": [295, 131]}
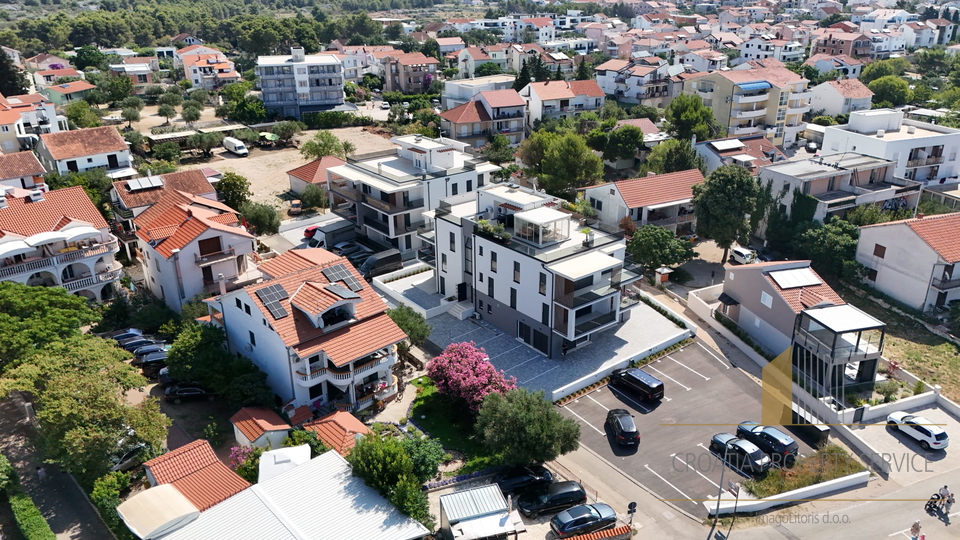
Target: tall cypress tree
{"type": "Point", "coordinates": [523, 79]}
{"type": "Point", "coordinates": [558, 76]}
{"type": "Point", "coordinates": [583, 71]}
{"type": "Point", "coordinates": [13, 81]}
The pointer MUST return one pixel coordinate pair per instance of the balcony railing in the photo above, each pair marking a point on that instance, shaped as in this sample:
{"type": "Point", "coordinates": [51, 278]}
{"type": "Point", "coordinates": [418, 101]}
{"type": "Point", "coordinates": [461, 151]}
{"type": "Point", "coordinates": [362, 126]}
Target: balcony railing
{"type": "Point", "coordinates": [103, 277]}
{"type": "Point", "coordinates": [750, 98]}
{"type": "Point", "coordinates": [66, 258]}
{"type": "Point", "coordinates": [122, 212]}
{"type": "Point", "coordinates": [595, 323]}
{"type": "Point", "coordinates": [427, 233]}
{"type": "Point", "coordinates": [839, 355]}
{"type": "Point", "coordinates": [377, 225]}
{"type": "Point", "coordinates": [944, 284]}
{"type": "Point", "coordinates": [206, 259]}
{"type": "Point", "coordinates": [389, 208]}
{"type": "Point", "coordinates": [346, 191]}
{"type": "Point", "coordinates": [427, 255]}
{"type": "Point", "coordinates": [585, 295]}
{"type": "Point", "coordinates": [925, 162]}
{"type": "Point", "coordinates": [751, 113]}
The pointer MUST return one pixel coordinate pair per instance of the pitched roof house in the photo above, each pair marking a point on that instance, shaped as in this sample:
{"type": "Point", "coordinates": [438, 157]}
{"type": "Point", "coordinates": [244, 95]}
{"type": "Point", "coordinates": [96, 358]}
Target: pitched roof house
{"type": "Point", "coordinates": [84, 149]}
{"type": "Point", "coordinates": [657, 199]}
{"type": "Point", "coordinates": [259, 426]}
{"type": "Point", "coordinates": [338, 430]}
{"type": "Point", "coordinates": [561, 99]}
{"type": "Point", "coordinates": [22, 170]}
{"type": "Point", "coordinates": [841, 97]}
{"type": "Point", "coordinates": [314, 172]}
{"type": "Point", "coordinates": [196, 472]}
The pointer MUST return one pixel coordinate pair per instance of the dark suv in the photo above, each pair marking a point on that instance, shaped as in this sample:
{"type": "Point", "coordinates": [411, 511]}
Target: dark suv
{"type": "Point", "coordinates": [637, 382]}
{"type": "Point", "coordinates": [781, 447]}
{"type": "Point", "coordinates": [521, 478]}
{"type": "Point", "coordinates": [551, 498]}
{"type": "Point", "coordinates": [622, 427]}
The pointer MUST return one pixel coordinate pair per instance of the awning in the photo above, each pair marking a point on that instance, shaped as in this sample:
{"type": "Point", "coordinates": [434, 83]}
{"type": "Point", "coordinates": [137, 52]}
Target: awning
{"type": "Point", "coordinates": [668, 204]}
{"type": "Point", "coordinates": [48, 237]}
{"type": "Point", "coordinates": [125, 172]}
{"type": "Point", "coordinates": [157, 511]}
{"type": "Point", "coordinates": [80, 233]}
{"type": "Point", "coordinates": [495, 526]}
{"type": "Point", "coordinates": [727, 300]}
{"type": "Point", "coordinates": [759, 85]}
{"type": "Point", "coordinates": [16, 247]}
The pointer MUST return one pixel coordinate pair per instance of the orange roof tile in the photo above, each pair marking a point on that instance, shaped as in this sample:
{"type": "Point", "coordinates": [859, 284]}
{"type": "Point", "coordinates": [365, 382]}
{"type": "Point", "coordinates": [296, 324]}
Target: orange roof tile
{"type": "Point", "coordinates": [70, 88]}
{"type": "Point", "coordinates": [338, 431]}
{"type": "Point", "coordinates": [645, 124]}
{"type": "Point", "coordinates": [65, 72]}
{"type": "Point", "coordinates": [469, 112]}
{"type": "Point", "coordinates": [549, 90]}
{"type": "Point", "coordinates": [253, 422]}
{"type": "Point", "coordinates": [300, 415]}
{"type": "Point", "coordinates": [600, 535]}
{"type": "Point", "coordinates": [193, 182]}
{"type": "Point", "coordinates": [503, 98]}
{"type": "Point", "coordinates": [939, 232]}
{"type": "Point", "coordinates": [19, 164]}
{"type": "Point", "coordinates": [315, 172]}
{"type": "Point", "coordinates": [662, 188]}
{"type": "Point", "coordinates": [25, 218]}
{"type": "Point", "coordinates": [777, 76]}
{"type": "Point", "coordinates": [190, 221]}
{"type": "Point", "coordinates": [83, 142]}
{"type": "Point", "coordinates": [851, 88]}
{"type": "Point", "coordinates": [296, 260]}
{"type": "Point", "coordinates": [355, 341]}
{"type": "Point", "coordinates": [10, 117]}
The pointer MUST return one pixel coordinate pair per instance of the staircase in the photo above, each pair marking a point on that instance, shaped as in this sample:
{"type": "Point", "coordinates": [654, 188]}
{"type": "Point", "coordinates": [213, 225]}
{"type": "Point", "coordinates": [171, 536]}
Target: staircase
{"type": "Point", "coordinates": [461, 310]}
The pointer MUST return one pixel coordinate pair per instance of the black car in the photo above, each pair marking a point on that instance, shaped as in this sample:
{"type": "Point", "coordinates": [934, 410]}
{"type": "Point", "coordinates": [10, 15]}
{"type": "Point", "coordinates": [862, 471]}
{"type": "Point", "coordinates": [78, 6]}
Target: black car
{"type": "Point", "coordinates": [622, 427]}
{"type": "Point", "coordinates": [135, 344]}
{"type": "Point", "coordinates": [778, 445]}
{"type": "Point", "coordinates": [179, 393]}
{"type": "Point", "coordinates": [151, 370]}
{"type": "Point", "coordinates": [520, 478]}
{"type": "Point", "coordinates": [126, 333]}
{"type": "Point", "coordinates": [638, 383]}
{"type": "Point", "coordinates": [547, 498]}
{"type": "Point", "coordinates": [583, 519]}
{"type": "Point", "coordinates": [150, 358]}
{"type": "Point", "coordinates": [740, 453]}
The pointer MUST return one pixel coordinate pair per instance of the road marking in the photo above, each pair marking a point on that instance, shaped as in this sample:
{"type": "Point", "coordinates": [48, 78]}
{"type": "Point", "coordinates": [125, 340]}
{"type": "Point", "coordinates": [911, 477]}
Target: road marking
{"type": "Point", "coordinates": [674, 456]}
{"type": "Point", "coordinates": [544, 373]}
{"type": "Point", "coordinates": [669, 377]}
{"type": "Point", "coordinates": [584, 421]}
{"type": "Point", "coordinates": [597, 402]}
{"type": "Point", "coordinates": [628, 398]}
{"type": "Point", "coordinates": [522, 363]}
{"type": "Point", "coordinates": [713, 355]}
{"type": "Point", "coordinates": [669, 484]}
{"type": "Point", "coordinates": [684, 366]}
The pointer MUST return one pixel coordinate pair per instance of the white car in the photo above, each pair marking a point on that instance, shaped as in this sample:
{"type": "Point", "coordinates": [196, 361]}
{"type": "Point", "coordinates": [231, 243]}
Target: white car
{"type": "Point", "coordinates": [924, 431]}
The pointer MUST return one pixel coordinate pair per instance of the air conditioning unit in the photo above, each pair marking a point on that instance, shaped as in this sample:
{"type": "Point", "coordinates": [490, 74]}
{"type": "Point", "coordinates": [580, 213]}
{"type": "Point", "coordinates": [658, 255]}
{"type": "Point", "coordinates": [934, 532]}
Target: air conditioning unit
{"type": "Point", "coordinates": [297, 360]}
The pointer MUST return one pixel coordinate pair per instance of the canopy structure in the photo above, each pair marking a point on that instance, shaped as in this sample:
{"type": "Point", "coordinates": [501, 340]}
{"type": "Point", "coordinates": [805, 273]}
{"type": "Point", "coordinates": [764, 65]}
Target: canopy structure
{"type": "Point", "coordinates": [81, 233]}
{"type": "Point", "coordinates": [15, 247]}
{"type": "Point", "coordinates": [48, 237]}
{"type": "Point", "coordinates": [758, 85]}
{"type": "Point", "coordinates": [157, 511]}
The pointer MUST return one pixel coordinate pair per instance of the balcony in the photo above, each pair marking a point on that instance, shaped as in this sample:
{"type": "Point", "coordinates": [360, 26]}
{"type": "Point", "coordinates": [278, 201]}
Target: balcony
{"type": "Point", "coordinates": [794, 128]}
{"type": "Point", "coordinates": [122, 212]}
{"type": "Point", "coordinates": [752, 113]}
{"type": "Point", "coordinates": [925, 162]}
{"type": "Point", "coordinates": [586, 295]}
{"type": "Point", "coordinates": [377, 225]}
{"type": "Point", "coordinates": [844, 352]}
{"type": "Point", "coordinates": [427, 255]}
{"type": "Point", "coordinates": [799, 109]}
{"type": "Point", "coordinates": [214, 257]}
{"type": "Point", "coordinates": [427, 233]}
{"type": "Point", "coordinates": [39, 263]}
{"type": "Point", "coordinates": [390, 208]}
{"type": "Point", "coordinates": [946, 284]}
{"type": "Point", "coordinates": [319, 370]}
{"type": "Point", "coordinates": [747, 130]}
{"type": "Point", "coordinates": [86, 282]}
{"type": "Point", "coordinates": [592, 323]}
{"type": "Point", "coordinates": [805, 96]}
{"type": "Point", "coordinates": [346, 190]}
{"type": "Point", "coordinates": [750, 98]}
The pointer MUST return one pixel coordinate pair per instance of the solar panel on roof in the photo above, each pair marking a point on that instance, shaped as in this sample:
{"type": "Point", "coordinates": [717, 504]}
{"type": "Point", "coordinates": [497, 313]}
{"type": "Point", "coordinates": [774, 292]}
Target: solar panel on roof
{"type": "Point", "coordinates": [797, 277]}
{"type": "Point", "coordinates": [341, 291]}
{"type": "Point", "coordinates": [134, 184]}
{"type": "Point", "coordinates": [339, 272]}
{"type": "Point", "coordinates": [270, 296]}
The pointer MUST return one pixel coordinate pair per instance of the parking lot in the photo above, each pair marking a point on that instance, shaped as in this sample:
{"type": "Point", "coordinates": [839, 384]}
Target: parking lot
{"type": "Point", "coordinates": [704, 396]}
{"type": "Point", "coordinates": [908, 462]}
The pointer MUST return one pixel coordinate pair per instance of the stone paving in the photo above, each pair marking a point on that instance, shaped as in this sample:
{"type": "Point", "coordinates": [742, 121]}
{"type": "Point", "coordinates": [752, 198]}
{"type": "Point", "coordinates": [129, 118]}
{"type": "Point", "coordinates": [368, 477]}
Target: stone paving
{"type": "Point", "coordinates": [534, 371]}
{"type": "Point", "coordinates": [408, 288]}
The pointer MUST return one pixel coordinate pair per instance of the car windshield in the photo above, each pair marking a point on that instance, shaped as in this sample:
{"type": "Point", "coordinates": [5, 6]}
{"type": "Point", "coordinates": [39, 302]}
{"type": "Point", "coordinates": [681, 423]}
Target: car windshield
{"type": "Point", "coordinates": [942, 436]}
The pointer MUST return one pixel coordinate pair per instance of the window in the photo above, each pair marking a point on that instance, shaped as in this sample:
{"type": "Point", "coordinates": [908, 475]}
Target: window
{"type": "Point", "coordinates": [513, 298]}
{"type": "Point", "coordinates": [239, 304]}
{"type": "Point", "coordinates": [489, 308]}
{"type": "Point", "coordinates": [766, 299]}
{"type": "Point", "coordinates": [479, 180]}
{"type": "Point", "coordinates": [516, 272]}
{"type": "Point", "coordinates": [493, 262]}
{"type": "Point", "coordinates": [756, 321]}
{"type": "Point", "coordinates": [6, 129]}
{"type": "Point", "coordinates": [453, 243]}
{"type": "Point", "coordinates": [481, 250]}
{"type": "Point", "coordinates": [545, 315]}
{"type": "Point", "coordinates": [443, 286]}
{"type": "Point", "coordinates": [264, 321]}
{"type": "Point", "coordinates": [490, 288]}
{"type": "Point", "coordinates": [469, 185]}
{"type": "Point", "coordinates": [253, 338]}
{"type": "Point", "coordinates": [454, 189]}
{"type": "Point", "coordinates": [480, 302]}
{"type": "Point", "coordinates": [443, 262]}
{"type": "Point", "coordinates": [596, 203]}
{"type": "Point", "coordinates": [543, 283]}
{"type": "Point", "coordinates": [246, 308]}
{"type": "Point", "coordinates": [872, 275]}
{"type": "Point", "coordinates": [879, 251]}
{"type": "Point", "coordinates": [481, 277]}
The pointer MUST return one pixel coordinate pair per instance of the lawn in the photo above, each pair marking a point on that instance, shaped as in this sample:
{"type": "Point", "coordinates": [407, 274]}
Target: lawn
{"type": "Point", "coordinates": [451, 424]}
{"type": "Point", "coordinates": [930, 357]}
{"type": "Point", "coordinates": [828, 463]}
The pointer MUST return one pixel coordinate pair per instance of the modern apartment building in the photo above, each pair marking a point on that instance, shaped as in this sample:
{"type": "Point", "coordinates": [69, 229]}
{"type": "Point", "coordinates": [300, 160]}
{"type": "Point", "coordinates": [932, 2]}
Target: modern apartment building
{"type": "Point", "coordinates": [498, 112]}
{"type": "Point", "coordinates": [299, 83]}
{"type": "Point", "coordinates": [459, 91]}
{"type": "Point", "coordinates": [387, 194]}
{"type": "Point", "coordinates": [530, 269]}
{"type": "Point", "coordinates": [37, 114]}
{"type": "Point", "coordinates": [769, 101]}
{"type": "Point", "coordinates": [768, 46]}
{"type": "Point", "coordinates": [848, 67]}
{"type": "Point", "coordinates": [561, 99]}
{"type": "Point", "coordinates": [920, 151]}
{"type": "Point", "coordinates": [57, 239]}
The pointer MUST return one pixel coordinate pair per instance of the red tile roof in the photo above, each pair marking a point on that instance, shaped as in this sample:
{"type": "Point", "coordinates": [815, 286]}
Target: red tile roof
{"type": "Point", "coordinates": [70, 88]}
{"type": "Point", "coordinates": [360, 339]}
{"type": "Point", "coordinates": [851, 88]}
{"type": "Point", "coordinates": [9, 117]}
{"type": "Point", "coordinates": [939, 232]}
{"type": "Point", "coordinates": [549, 90]}
{"type": "Point", "coordinates": [315, 172]}
{"type": "Point", "coordinates": [19, 164]}
{"type": "Point", "coordinates": [539, 22]}
{"type": "Point", "coordinates": [645, 124]}
{"type": "Point", "coordinates": [296, 260]}
{"type": "Point", "coordinates": [197, 473]}
{"type": "Point", "coordinates": [777, 76]}
{"type": "Point", "coordinates": [170, 224]}
{"type": "Point", "coordinates": [338, 431]}
{"type": "Point", "coordinates": [83, 142]}
{"type": "Point", "coordinates": [25, 218]}
{"type": "Point", "coordinates": [469, 112]}
{"type": "Point", "coordinates": [57, 73]}
{"type": "Point", "coordinates": [801, 298]}
{"type": "Point", "coordinates": [253, 422]}
{"type": "Point", "coordinates": [300, 415]}
{"type": "Point", "coordinates": [503, 98]}
{"type": "Point", "coordinates": [445, 41]}
{"type": "Point", "coordinates": [659, 189]}
{"type": "Point", "coordinates": [193, 182]}
{"type": "Point", "coordinates": [756, 146]}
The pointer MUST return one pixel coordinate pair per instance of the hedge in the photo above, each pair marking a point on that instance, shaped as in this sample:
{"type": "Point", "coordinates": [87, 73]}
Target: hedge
{"type": "Point", "coordinates": [29, 520]}
{"type": "Point", "coordinates": [334, 119]}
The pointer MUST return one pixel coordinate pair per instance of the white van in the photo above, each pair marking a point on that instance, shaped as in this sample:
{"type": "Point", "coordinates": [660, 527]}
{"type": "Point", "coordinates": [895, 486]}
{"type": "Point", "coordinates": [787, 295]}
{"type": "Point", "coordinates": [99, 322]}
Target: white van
{"type": "Point", "coordinates": [235, 145]}
{"type": "Point", "coordinates": [743, 255]}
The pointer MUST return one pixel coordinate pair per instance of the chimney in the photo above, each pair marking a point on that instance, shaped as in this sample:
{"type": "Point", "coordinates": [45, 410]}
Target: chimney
{"type": "Point", "coordinates": [919, 216]}
{"type": "Point", "coordinates": [223, 284]}
{"type": "Point", "coordinates": [298, 54]}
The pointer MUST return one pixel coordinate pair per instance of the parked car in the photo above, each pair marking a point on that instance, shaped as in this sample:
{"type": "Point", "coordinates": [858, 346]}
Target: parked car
{"type": "Point", "coordinates": [384, 105]}
{"type": "Point", "coordinates": [151, 370]}
{"type": "Point", "coordinates": [781, 447]}
{"type": "Point", "coordinates": [296, 207]}
{"type": "Point", "coordinates": [547, 498]}
{"type": "Point", "coordinates": [583, 519]}
{"type": "Point", "coordinates": [622, 427]}
{"type": "Point", "coordinates": [126, 334]}
{"type": "Point", "coordinates": [235, 146]}
{"type": "Point", "coordinates": [311, 231]}
{"type": "Point", "coordinates": [406, 104]}
{"type": "Point", "coordinates": [126, 459]}
{"type": "Point", "coordinates": [133, 344]}
{"type": "Point", "coordinates": [521, 478]}
{"type": "Point", "coordinates": [740, 453]}
{"type": "Point", "coordinates": [179, 393]}
{"type": "Point", "coordinates": [637, 382]}
{"type": "Point", "coordinates": [381, 263]}
{"type": "Point", "coordinates": [151, 348]}
{"type": "Point", "coordinates": [742, 255]}
{"type": "Point", "coordinates": [919, 428]}
{"type": "Point", "coordinates": [149, 358]}
{"type": "Point", "coordinates": [345, 249]}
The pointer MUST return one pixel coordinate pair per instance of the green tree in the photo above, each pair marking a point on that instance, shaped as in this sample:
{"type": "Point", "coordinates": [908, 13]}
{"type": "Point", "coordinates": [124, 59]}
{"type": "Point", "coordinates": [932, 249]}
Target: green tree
{"type": "Point", "coordinates": [205, 142]}
{"type": "Point", "coordinates": [168, 151]}
{"type": "Point", "coordinates": [13, 81]}
{"type": "Point", "coordinates": [96, 97]}
{"type": "Point", "coordinates": [193, 104]}
{"type": "Point", "coordinates": [883, 68]}
{"type": "Point", "coordinates": [623, 143]}
{"type": "Point", "coordinates": [824, 121]}
{"type": "Point", "coordinates": [426, 455]}
{"type": "Point", "coordinates": [246, 135]}
{"type": "Point", "coordinates": [653, 246]}
{"type": "Point", "coordinates": [170, 99]}
{"type": "Point", "coordinates": [832, 19]}
{"type": "Point", "coordinates": [413, 324]}
{"type": "Point", "coordinates": [891, 89]}
{"type": "Point", "coordinates": [830, 245]}
{"type": "Point", "coordinates": [167, 112]}
{"type": "Point", "coordinates": [688, 116]}
{"type": "Point", "coordinates": [722, 203]}
{"type": "Point", "coordinates": [870, 214]}
{"type": "Point", "coordinates": [570, 164]}
{"type": "Point", "coordinates": [287, 130]}
{"type": "Point", "coordinates": [498, 149]}
{"type": "Point", "coordinates": [409, 498]}
{"type": "Point", "coordinates": [300, 436]}
{"type": "Point", "coordinates": [584, 71]}
{"type": "Point", "coordinates": [431, 48]}
{"type": "Point", "coordinates": [930, 207]}
{"type": "Point", "coordinates": [81, 115]}
{"type": "Point", "coordinates": [524, 427]}
{"type": "Point", "coordinates": [33, 317]}
{"type": "Point", "coordinates": [90, 56]}
{"type": "Point", "coordinates": [321, 145]}
{"type": "Point", "coordinates": [313, 196]}
{"type": "Point", "coordinates": [234, 190]}
{"type": "Point", "coordinates": [380, 463]}
{"type": "Point", "coordinates": [262, 218]}
{"type": "Point", "coordinates": [523, 78]}
{"type": "Point", "coordinates": [117, 88]}
{"type": "Point", "coordinates": [236, 92]}
{"type": "Point", "coordinates": [249, 467]}
{"type": "Point", "coordinates": [199, 95]}
{"type": "Point", "coordinates": [673, 156]}
{"type": "Point", "coordinates": [191, 115]}
{"type": "Point", "coordinates": [131, 115]}
{"type": "Point", "coordinates": [132, 102]}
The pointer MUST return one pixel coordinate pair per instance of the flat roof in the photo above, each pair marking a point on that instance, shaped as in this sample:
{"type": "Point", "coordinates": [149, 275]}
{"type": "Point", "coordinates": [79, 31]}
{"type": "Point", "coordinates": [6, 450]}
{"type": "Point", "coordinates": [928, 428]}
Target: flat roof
{"type": "Point", "coordinates": [361, 176]}
{"type": "Point", "coordinates": [542, 215]}
{"type": "Point", "coordinates": [481, 81]}
{"type": "Point", "coordinates": [473, 503]}
{"type": "Point", "coordinates": [517, 196]}
{"type": "Point", "coordinates": [425, 143]}
{"type": "Point", "coordinates": [308, 59]}
{"type": "Point", "coordinates": [845, 318]}
{"type": "Point", "coordinates": [584, 265]}
{"type": "Point", "coordinates": [902, 133]}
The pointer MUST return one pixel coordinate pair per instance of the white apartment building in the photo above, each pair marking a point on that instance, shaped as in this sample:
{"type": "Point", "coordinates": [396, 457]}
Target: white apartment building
{"type": "Point", "coordinates": [886, 42]}
{"type": "Point", "coordinates": [457, 92]}
{"type": "Point", "coordinates": [841, 97]}
{"type": "Point", "coordinates": [84, 149]}
{"type": "Point", "coordinates": [498, 112]}
{"type": "Point", "coordinates": [768, 46]}
{"type": "Point", "coordinates": [577, 45]}
{"type": "Point", "coordinates": [386, 195]}
{"type": "Point", "coordinates": [192, 245]}
{"type": "Point", "coordinates": [37, 113]}
{"type": "Point", "coordinates": [879, 19]}
{"type": "Point", "coordinates": [705, 60]}
{"type": "Point", "coordinates": [921, 151]}
{"type": "Point", "coordinates": [317, 329]}
{"type": "Point", "coordinates": [57, 239]}
{"type": "Point", "coordinates": [665, 200]}
{"type": "Point", "coordinates": [298, 83]}
{"type": "Point", "coordinates": [529, 269]}
{"type": "Point", "coordinates": [561, 99]}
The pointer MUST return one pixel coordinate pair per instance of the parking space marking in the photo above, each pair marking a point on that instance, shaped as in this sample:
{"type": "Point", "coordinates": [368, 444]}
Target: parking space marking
{"type": "Point", "coordinates": [524, 362]}
{"type": "Point", "coordinates": [597, 402]}
{"type": "Point", "coordinates": [542, 374]}
{"type": "Point", "coordinates": [628, 398]}
{"type": "Point", "coordinates": [727, 463]}
{"type": "Point", "coordinates": [692, 468]}
{"type": "Point", "coordinates": [713, 355]}
{"type": "Point", "coordinates": [584, 421]}
{"type": "Point", "coordinates": [685, 366]}
{"type": "Point", "coordinates": [687, 388]}
{"type": "Point", "coordinates": [669, 484]}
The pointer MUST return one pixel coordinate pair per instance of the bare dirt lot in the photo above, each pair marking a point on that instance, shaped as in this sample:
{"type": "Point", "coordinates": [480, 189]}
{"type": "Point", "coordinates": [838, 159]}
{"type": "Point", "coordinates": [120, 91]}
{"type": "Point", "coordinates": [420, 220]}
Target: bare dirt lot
{"type": "Point", "coordinates": [150, 119]}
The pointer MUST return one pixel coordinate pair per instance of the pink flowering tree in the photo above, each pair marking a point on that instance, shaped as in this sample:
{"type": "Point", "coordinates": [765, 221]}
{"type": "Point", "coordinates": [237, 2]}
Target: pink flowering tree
{"type": "Point", "coordinates": [427, 81]}
{"type": "Point", "coordinates": [464, 371]}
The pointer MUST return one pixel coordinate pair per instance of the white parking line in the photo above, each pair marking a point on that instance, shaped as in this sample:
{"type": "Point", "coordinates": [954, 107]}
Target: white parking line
{"type": "Point", "coordinates": [584, 421]}
{"type": "Point", "coordinates": [544, 373]}
{"type": "Point", "coordinates": [713, 355]}
{"type": "Point", "coordinates": [641, 407]}
{"type": "Point", "coordinates": [731, 465]}
{"type": "Point", "coordinates": [597, 402]}
{"type": "Point", "coordinates": [684, 366]}
{"type": "Point", "coordinates": [716, 485]}
{"type": "Point", "coordinates": [669, 484]}
{"type": "Point", "coordinates": [522, 363]}
{"type": "Point", "coordinates": [669, 377]}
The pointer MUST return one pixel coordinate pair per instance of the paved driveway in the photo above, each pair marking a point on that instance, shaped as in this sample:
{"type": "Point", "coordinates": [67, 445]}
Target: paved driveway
{"type": "Point", "coordinates": [703, 396]}
{"type": "Point", "coordinates": [908, 462]}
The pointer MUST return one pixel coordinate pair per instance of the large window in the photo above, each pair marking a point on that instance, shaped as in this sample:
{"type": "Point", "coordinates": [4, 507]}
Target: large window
{"type": "Point", "coordinates": [490, 288]}
{"type": "Point", "coordinates": [453, 243]}
{"type": "Point", "coordinates": [543, 283]}
{"type": "Point", "coordinates": [513, 298]}
{"type": "Point", "coordinates": [516, 271]}
{"type": "Point", "coordinates": [493, 262]}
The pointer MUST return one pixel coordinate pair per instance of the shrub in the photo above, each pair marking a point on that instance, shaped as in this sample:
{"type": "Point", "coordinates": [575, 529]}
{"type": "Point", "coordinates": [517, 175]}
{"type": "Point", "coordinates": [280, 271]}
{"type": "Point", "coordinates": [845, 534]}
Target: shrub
{"type": "Point", "coordinates": [888, 389]}
{"type": "Point", "coordinates": [246, 462]}
{"type": "Point", "coordinates": [28, 517]}
{"type": "Point", "coordinates": [919, 388]}
{"type": "Point", "coordinates": [464, 372]}
{"type": "Point", "coordinates": [6, 472]}
{"type": "Point", "coordinates": [106, 497]}
{"type": "Point", "coordinates": [262, 218]}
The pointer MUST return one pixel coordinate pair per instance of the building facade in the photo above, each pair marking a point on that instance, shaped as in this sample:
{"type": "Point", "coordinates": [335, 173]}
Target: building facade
{"type": "Point", "coordinates": [300, 83]}
{"type": "Point", "coordinates": [84, 149]}
{"type": "Point", "coordinates": [498, 112]}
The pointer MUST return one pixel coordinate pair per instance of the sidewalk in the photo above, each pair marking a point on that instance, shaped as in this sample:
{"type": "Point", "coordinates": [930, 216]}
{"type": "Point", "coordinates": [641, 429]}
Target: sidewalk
{"type": "Point", "coordinates": [58, 497]}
